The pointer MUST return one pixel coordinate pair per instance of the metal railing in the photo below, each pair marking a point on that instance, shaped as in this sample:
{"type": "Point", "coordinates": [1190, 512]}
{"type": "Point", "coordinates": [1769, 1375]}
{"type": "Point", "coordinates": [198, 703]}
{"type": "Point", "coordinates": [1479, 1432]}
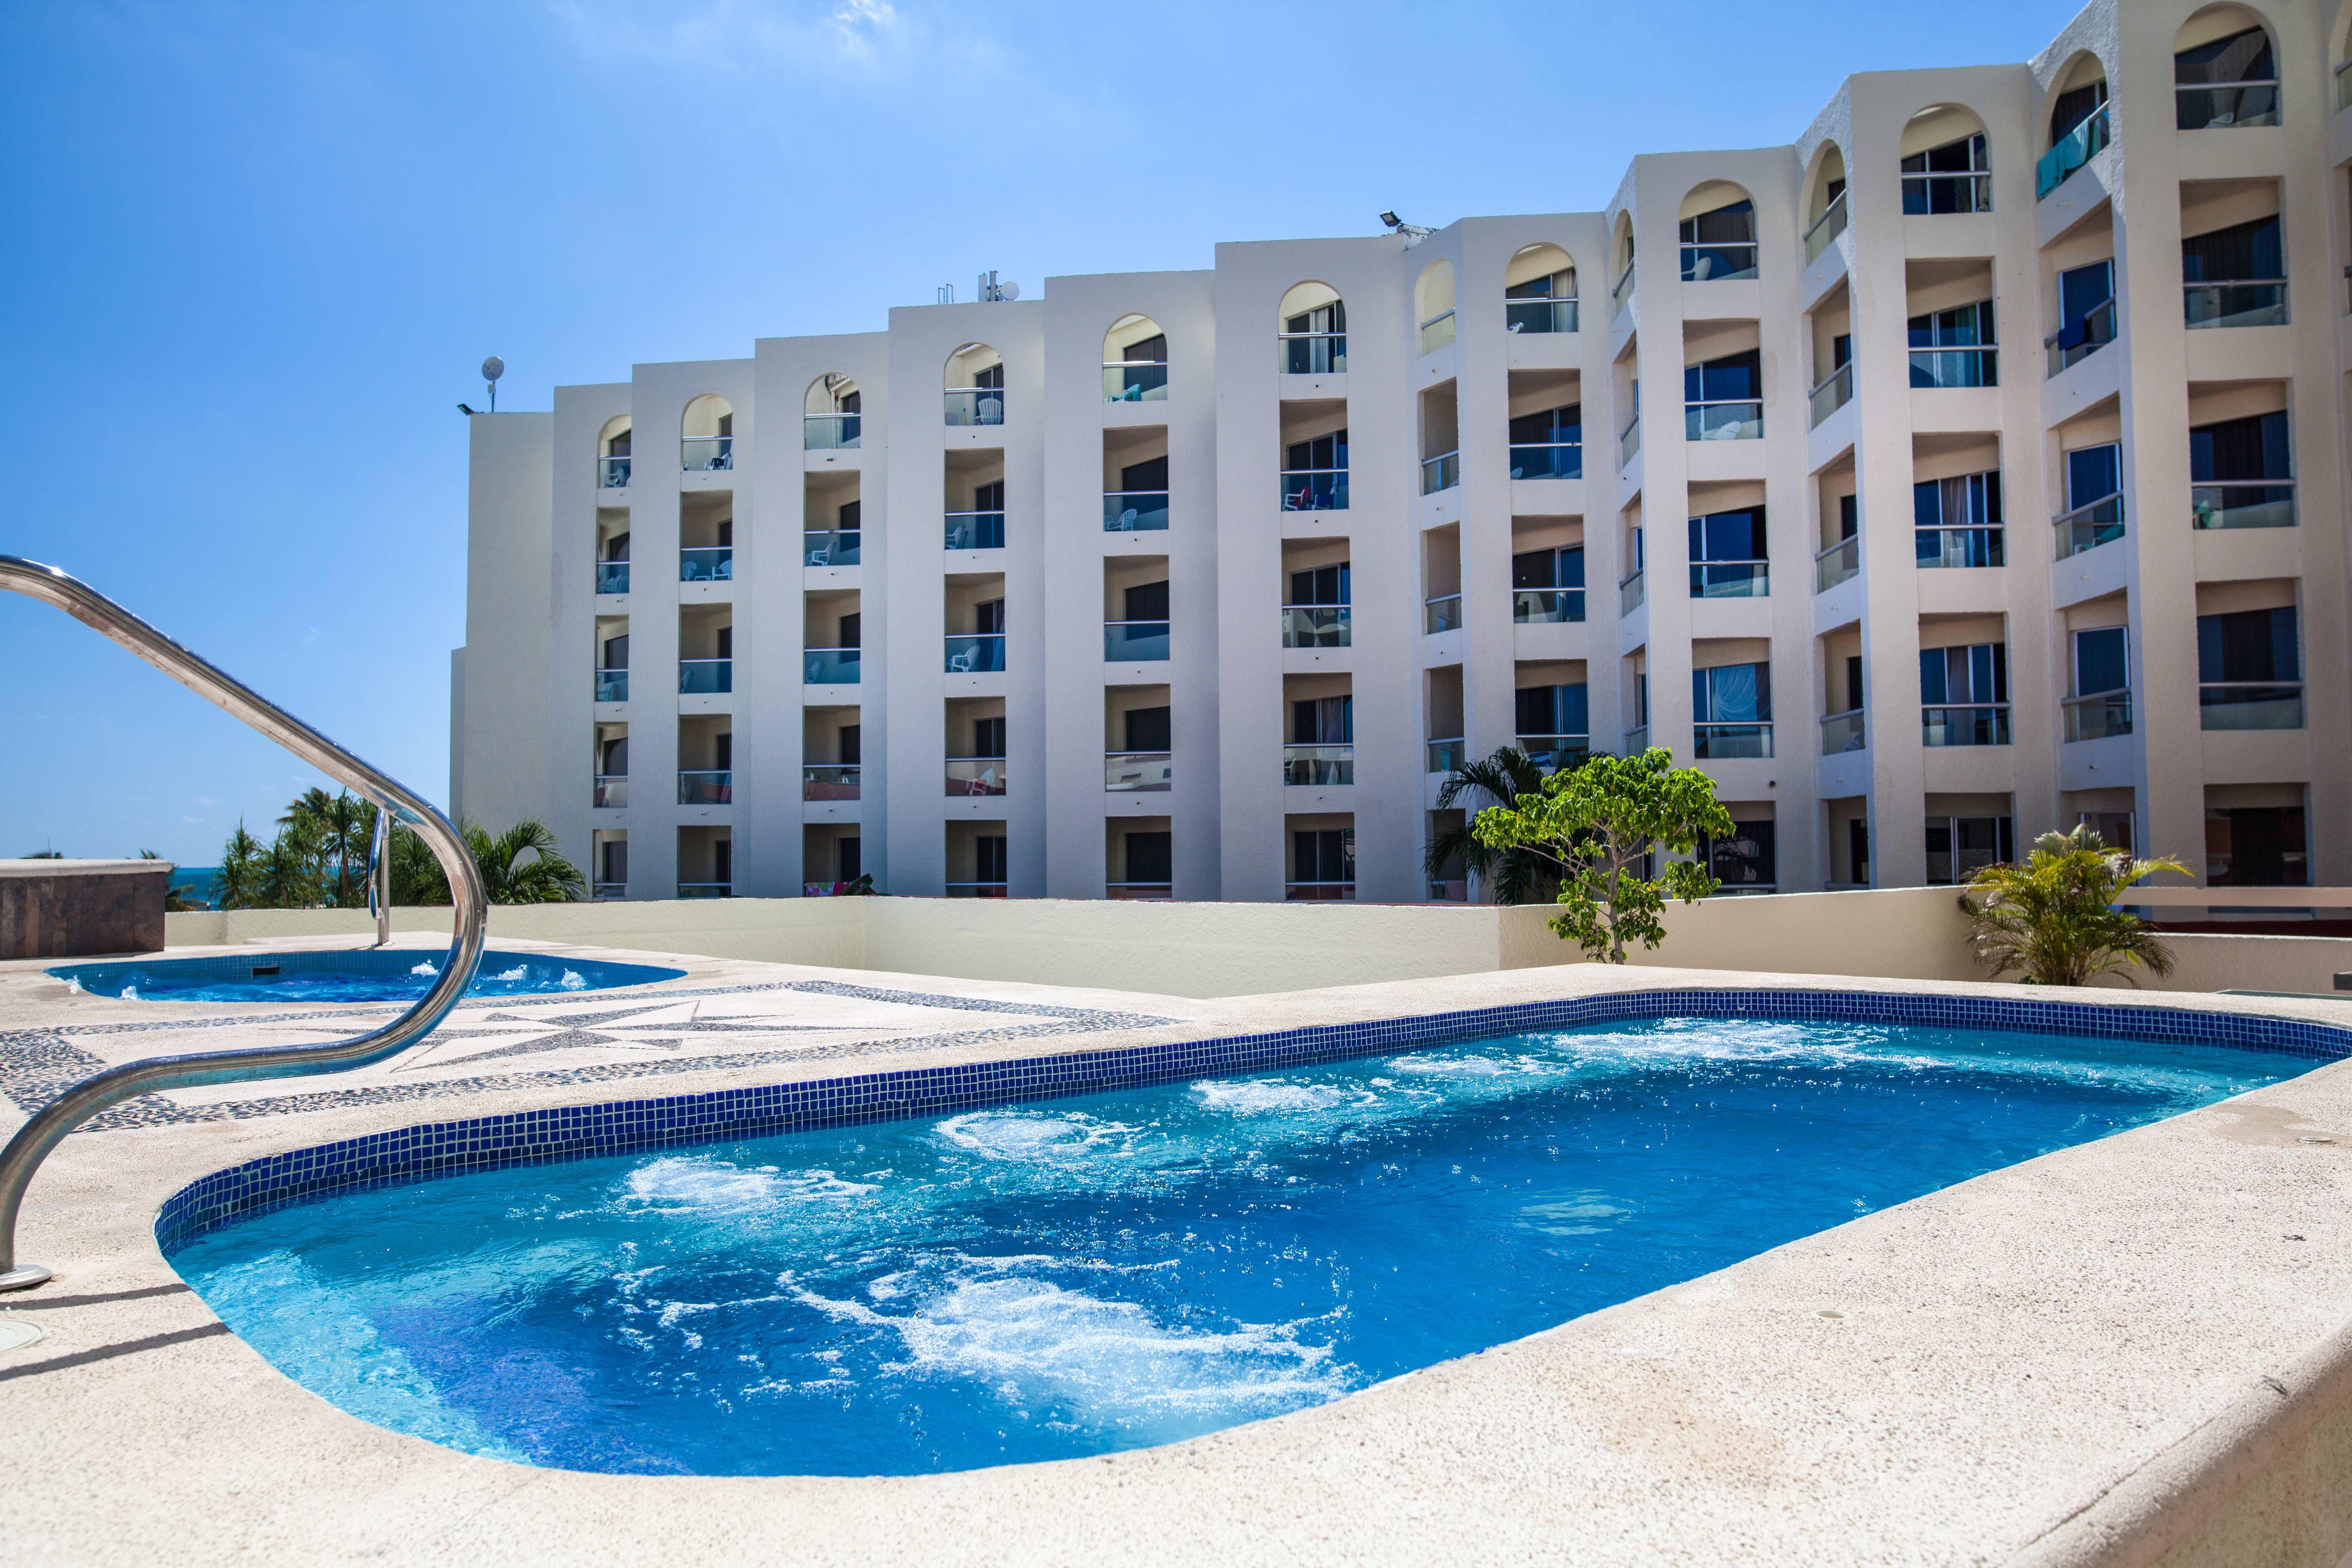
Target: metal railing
{"type": "Point", "coordinates": [1539, 315]}
{"type": "Point", "coordinates": [975, 776]}
{"type": "Point", "coordinates": [707, 563]}
{"type": "Point", "coordinates": [1728, 419]}
{"type": "Point", "coordinates": [1717, 263]}
{"type": "Point", "coordinates": [1317, 625]}
{"type": "Point", "coordinates": [705, 676]}
{"type": "Point", "coordinates": [1305, 892]}
{"type": "Point", "coordinates": [1315, 489]}
{"type": "Point", "coordinates": [979, 890]}
{"type": "Point", "coordinates": [1730, 579]}
{"type": "Point", "coordinates": [1446, 756]}
{"type": "Point", "coordinates": [1135, 511]}
{"type": "Point", "coordinates": [612, 791]}
{"type": "Point", "coordinates": [612, 473]}
{"type": "Point", "coordinates": [1843, 732]}
{"type": "Point", "coordinates": [2260, 303]}
{"type": "Point", "coordinates": [706, 786]}
{"type": "Point", "coordinates": [974, 529]}
{"type": "Point", "coordinates": [1554, 752]}
{"type": "Point", "coordinates": [1140, 892]}
{"type": "Point", "coordinates": [706, 889]}
{"type": "Point", "coordinates": [2072, 150]}
{"type": "Point", "coordinates": [1134, 642]}
{"type": "Point", "coordinates": [2269, 503]}
{"type": "Point", "coordinates": [1438, 332]}
{"type": "Point", "coordinates": [2250, 705]}
{"type": "Point", "coordinates": [611, 686]}
{"type": "Point", "coordinates": [832, 432]}
{"type": "Point", "coordinates": [830, 781]}
{"type": "Point", "coordinates": [1637, 740]}
{"type": "Point", "coordinates": [1835, 565]}
{"type": "Point", "coordinates": [1441, 613]}
{"type": "Point", "coordinates": [1826, 228]}
{"type": "Point", "coordinates": [1546, 606]}
{"type": "Point", "coordinates": [1964, 724]}
{"type": "Point", "coordinates": [1450, 890]}
{"type": "Point", "coordinates": [1832, 392]}
{"type": "Point", "coordinates": [1629, 440]}
{"type": "Point", "coordinates": [2220, 106]}
{"type": "Point", "coordinates": [2098, 332]}
{"type": "Point", "coordinates": [1326, 764]}
{"type": "Point", "coordinates": [1630, 594]}
{"type": "Point", "coordinates": [2098, 714]}
{"type": "Point", "coordinates": [707, 454]}
{"type": "Point", "coordinates": [1935, 194]}
{"type": "Point", "coordinates": [1135, 381]}
{"type": "Point", "coordinates": [1622, 290]}
{"type": "Point", "coordinates": [1958, 547]}
{"type": "Point", "coordinates": [832, 546]}
{"type": "Point", "coordinates": [1718, 743]}
{"type": "Point", "coordinates": [976, 405]}
{"type": "Point", "coordinates": [2090, 525]}
{"type": "Point", "coordinates": [611, 576]}
{"type": "Point", "coordinates": [79, 1101]}
{"type": "Point", "coordinates": [1138, 771]}
{"type": "Point", "coordinates": [1312, 354]}
{"type": "Point", "coordinates": [1975, 366]}
{"type": "Point", "coordinates": [829, 667]}
{"type": "Point", "coordinates": [1548, 460]}
{"type": "Point", "coordinates": [608, 890]}
{"type": "Point", "coordinates": [973, 653]}
{"type": "Point", "coordinates": [1442, 472]}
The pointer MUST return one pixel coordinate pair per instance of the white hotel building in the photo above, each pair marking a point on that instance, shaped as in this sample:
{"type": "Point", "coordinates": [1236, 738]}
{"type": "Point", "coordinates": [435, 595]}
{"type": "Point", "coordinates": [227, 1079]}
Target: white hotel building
{"type": "Point", "coordinates": [1973, 467]}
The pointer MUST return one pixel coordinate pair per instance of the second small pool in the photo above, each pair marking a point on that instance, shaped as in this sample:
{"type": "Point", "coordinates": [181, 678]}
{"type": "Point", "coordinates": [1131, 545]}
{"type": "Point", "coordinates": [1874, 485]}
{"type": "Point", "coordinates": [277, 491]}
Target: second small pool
{"type": "Point", "coordinates": [366, 974]}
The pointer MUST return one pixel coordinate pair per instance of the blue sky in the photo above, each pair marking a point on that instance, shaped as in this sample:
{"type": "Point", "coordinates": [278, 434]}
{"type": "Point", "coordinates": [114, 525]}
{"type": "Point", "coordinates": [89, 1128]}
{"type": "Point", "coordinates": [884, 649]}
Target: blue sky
{"type": "Point", "coordinates": [254, 253]}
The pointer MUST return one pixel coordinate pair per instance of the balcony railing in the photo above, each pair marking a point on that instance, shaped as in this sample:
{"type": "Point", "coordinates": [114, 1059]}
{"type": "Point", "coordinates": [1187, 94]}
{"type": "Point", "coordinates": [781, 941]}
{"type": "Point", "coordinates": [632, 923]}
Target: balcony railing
{"type": "Point", "coordinates": [1826, 228]}
{"type": "Point", "coordinates": [1835, 565]}
{"type": "Point", "coordinates": [1630, 593]}
{"type": "Point", "coordinates": [608, 891]}
{"type": "Point", "coordinates": [1553, 752]}
{"type": "Point", "coordinates": [1436, 332]}
{"type": "Point", "coordinates": [1717, 263]}
{"type": "Point", "coordinates": [611, 576]}
{"type": "Point", "coordinates": [2090, 525]}
{"type": "Point", "coordinates": [2344, 85]}
{"type": "Point", "coordinates": [1305, 892]}
{"type": "Point", "coordinates": [1315, 489]}
{"type": "Point", "coordinates": [705, 676]}
{"type": "Point", "coordinates": [1442, 614]}
{"type": "Point", "coordinates": [1955, 367]}
{"type": "Point", "coordinates": [1545, 606]}
{"type": "Point", "coordinates": [1629, 441]}
{"type": "Point", "coordinates": [612, 791]}
{"type": "Point", "coordinates": [611, 686]}
{"type": "Point", "coordinates": [830, 781]}
{"type": "Point", "coordinates": [706, 889]}
{"type": "Point", "coordinates": [2098, 332]}
{"type": "Point", "coordinates": [974, 529]}
{"type": "Point", "coordinates": [979, 890]}
{"type": "Point", "coordinates": [1724, 421]}
{"type": "Point", "coordinates": [1939, 194]}
{"type": "Point", "coordinates": [976, 405]}
{"type": "Point", "coordinates": [1539, 315]}
{"type": "Point", "coordinates": [2072, 150]}
{"type": "Point", "coordinates": [1637, 740]}
{"type": "Point", "coordinates": [1318, 764]}
{"type": "Point", "coordinates": [2269, 504]}
{"type": "Point", "coordinates": [1134, 642]}
{"type": "Point", "coordinates": [1720, 742]}
{"type": "Point", "coordinates": [706, 786]}
{"type": "Point", "coordinates": [832, 432]}
{"type": "Point", "coordinates": [707, 454]}
{"type": "Point", "coordinates": [1135, 511]}
{"type": "Point", "coordinates": [975, 775]}
{"type": "Point", "coordinates": [1730, 579]}
{"type": "Point", "coordinates": [1446, 756]}
{"type": "Point", "coordinates": [973, 653]}
{"type": "Point", "coordinates": [1138, 892]}
{"type": "Point", "coordinates": [1138, 771]}
{"type": "Point", "coordinates": [1965, 724]}
{"type": "Point", "coordinates": [2250, 705]}
{"type": "Point", "coordinates": [1312, 354]}
{"type": "Point", "coordinates": [1450, 890]}
{"type": "Point", "coordinates": [1833, 391]}
{"type": "Point", "coordinates": [832, 546]}
{"type": "Point", "coordinates": [2255, 304]}
{"type": "Point", "coordinates": [612, 473]}
{"type": "Point", "coordinates": [1317, 625]}
{"type": "Point", "coordinates": [1843, 732]}
{"type": "Point", "coordinates": [2098, 715]}
{"type": "Point", "coordinates": [829, 667]}
{"type": "Point", "coordinates": [2227, 105]}
{"type": "Point", "coordinates": [1548, 460]}
{"type": "Point", "coordinates": [1958, 547]}
{"type": "Point", "coordinates": [1442, 472]}
{"type": "Point", "coordinates": [1622, 290]}
{"type": "Point", "coordinates": [1135, 381]}
{"type": "Point", "coordinates": [707, 563]}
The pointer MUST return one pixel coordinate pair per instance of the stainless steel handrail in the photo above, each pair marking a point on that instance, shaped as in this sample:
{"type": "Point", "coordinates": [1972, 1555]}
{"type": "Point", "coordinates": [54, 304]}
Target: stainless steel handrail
{"type": "Point", "coordinates": [47, 1126]}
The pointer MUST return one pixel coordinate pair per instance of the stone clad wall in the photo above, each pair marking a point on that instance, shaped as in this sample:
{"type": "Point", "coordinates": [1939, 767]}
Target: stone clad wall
{"type": "Point", "coordinates": [74, 914]}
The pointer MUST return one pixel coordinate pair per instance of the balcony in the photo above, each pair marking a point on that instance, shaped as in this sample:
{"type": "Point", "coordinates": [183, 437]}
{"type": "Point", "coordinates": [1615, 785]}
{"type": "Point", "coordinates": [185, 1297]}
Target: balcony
{"type": "Point", "coordinates": [611, 576]}
{"type": "Point", "coordinates": [2097, 330]}
{"type": "Point", "coordinates": [2098, 715]}
{"type": "Point", "coordinates": [1138, 892]}
{"type": "Point", "coordinates": [1835, 565]}
{"type": "Point", "coordinates": [830, 782]}
{"type": "Point", "coordinates": [705, 676]}
{"type": "Point", "coordinates": [1134, 642]}
{"type": "Point", "coordinates": [1937, 548]}
{"type": "Point", "coordinates": [1126, 773]}
{"type": "Point", "coordinates": [969, 405]}
{"type": "Point", "coordinates": [1318, 764]}
{"type": "Point", "coordinates": [707, 454]}
{"type": "Point", "coordinates": [706, 889]}
{"type": "Point", "coordinates": [1135, 381]}
{"type": "Point", "coordinates": [1965, 724]}
{"type": "Point", "coordinates": [1447, 756]}
{"type": "Point", "coordinates": [1315, 626]}
{"type": "Point", "coordinates": [1833, 391]}
{"type": "Point", "coordinates": [1637, 740]}
{"type": "Point", "coordinates": [832, 432]}
{"type": "Point", "coordinates": [1551, 460]}
{"type": "Point", "coordinates": [612, 791]}
{"type": "Point", "coordinates": [1622, 290]}
{"type": "Point", "coordinates": [705, 563]}
{"type": "Point", "coordinates": [1726, 421]}
{"type": "Point", "coordinates": [1730, 580]}
{"type": "Point", "coordinates": [1630, 593]}
{"type": "Point", "coordinates": [612, 473]}
{"type": "Point", "coordinates": [2269, 504]}
{"type": "Point", "coordinates": [2244, 705]}
{"type": "Point", "coordinates": [973, 653]}
{"type": "Point", "coordinates": [2090, 525]}
{"type": "Point", "coordinates": [611, 686]}
{"type": "Point", "coordinates": [2344, 85]}
{"type": "Point", "coordinates": [1937, 193]}
{"type": "Point", "coordinates": [829, 667]}
{"type": "Point", "coordinates": [1442, 472]}
{"type": "Point", "coordinates": [831, 546]}
{"type": "Point", "coordinates": [2252, 304]}
{"type": "Point", "coordinates": [1315, 489]}
{"type": "Point", "coordinates": [2071, 152]}
{"type": "Point", "coordinates": [2226, 105]}
{"type": "Point", "coordinates": [1437, 332]}
{"type": "Point", "coordinates": [1727, 742]}
{"type": "Point", "coordinates": [979, 890]}
{"type": "Point", "coordinates": [1312, 354]}
{"type": "Point", "coordinates": [1843, 732]}
{"type": "Point", "coordinates": [608, 891]}
{"type": "Point", "coordinates": [1453, 891]}
{"type": "Point", "coordinates": [975, 530]}
{"type": "Point", "coordinates": [1442, 614]}
{"type": "Point", "coordinates": [1539, 315]}
{"type": "Point", "coordinates": [1629, 440]}
{"type": "Point", "coordinates": [1546, 606]}
{"type": "Point", "coordinates": [1553, 752]}
{"type": "Point", "coordinates": [1955, 367]}
{"type": "Point", "coordinates": [975, 776]}
{"type": "Point", "coordinates": [1717, 263]}
{"type": "Point", "coordinates": [1826, 228]}
{"type": "Point", "coordinates": [1301, 893]}
{"type": "Point", "coordinates": [706, 786]}
{"type": "Point", "coordinates": [1135, 511]}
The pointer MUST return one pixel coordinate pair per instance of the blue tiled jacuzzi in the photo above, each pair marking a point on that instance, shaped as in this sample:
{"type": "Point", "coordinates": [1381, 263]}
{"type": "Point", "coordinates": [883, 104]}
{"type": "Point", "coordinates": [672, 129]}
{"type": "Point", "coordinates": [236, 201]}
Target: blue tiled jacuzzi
{"type": "Point", "coordinates": [365, 974]}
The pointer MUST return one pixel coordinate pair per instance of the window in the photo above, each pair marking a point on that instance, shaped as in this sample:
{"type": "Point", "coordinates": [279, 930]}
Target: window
{"type": "Point", "coordinates": [1549, 445]}
{"type": "Point", "coordinates": [1854, 691]}
{"type": "Point", "coordinates": [1320, 585]}
{"type": "Point", "coordinates": [615, 855]}
{"type": "Point", "coordinates": [2250, 670]}
{"type": "Point", "coordinates": [1722, 398]}
{"type": "Point", "coordinates": [2099, 661]}
{"type": "Point", "coordinates": [1720, 243]}
{"type": "Point", "coordinates": [1731, 711]}
{"type": "Point", "coordinates": [1152, 858]}
{"type": "Point", "coordinates": [1849, 516]}
{"type": "Point", "coordinates": [1325, 856]}
{"type": "Point", "coordinates": [1323, 722]}
{"type": "Point", "coordinates": [1146, 602]}
{"type": "Point", "coordinates": [1964, 695]}
{"type": "Point", "coordinates": [1953, 178]}
{"type": "Point", "coordinates": [617, 547]}
{"type": "Point", "coordinates": [1960, 846]}
{"type": "Point", "coordinates": [1744, 863]}
{"type": "Point", "coordinates": [1315, 474]}
{"type": "Point", "coordinates": [1148, 730]}
{"type": "Point", "coordinates": [2241, 474]}
{"type": "Point", "coordinates": [987, 737]}
{"type": "Point", "coordinates": [2075, 106]}
{"type": "Point", "coordinates": [2235, 277]}
{"type": "Point", "coordinates": [1727, 555]}
{"type": "Point", "coordinates": [851, 739]}
{"type": "Point", "coordinates": [2086, 312]}
{"type": "Point", "coordinates": [616, 763]}
{"type": "Point", "coordinates": [616, 652]}
{"type": "Point", "coordinates": [850, 630]}
{"type": "Point", "coordinates": [1954, 347]}
{"type": "Point", "coordinates": [2228, 82]}
{"type": "Point", "coordinates": [989, 858]}
{"type": "Point", "coordinates": [1150, 475]}
{"type": "Point", "coordinates": [1551, 712]}
{"type": "Point", "coordinates": [1547, 586]}
{"type": "Point", "coordinates": [1957, 521]}
{"type": "Point", "coordinates": [845, 858]}
{"type": "Point", "coordinates": [2256, 846]}
{"type": "Point", "coordinates": [1315, 341]}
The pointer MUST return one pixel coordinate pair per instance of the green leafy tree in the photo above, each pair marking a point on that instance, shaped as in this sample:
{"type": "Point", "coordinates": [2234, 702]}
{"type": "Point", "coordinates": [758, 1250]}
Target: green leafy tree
{"type": "Point", "coordinates": [240, 871]}
{"type": "Point", "coordinates": [1521, 875]}
{"type": "Point", "coordinates": [547, 877]}
{"type": "Point", "coordinates": [290, 867]}
{"type": "Point", "coordinates": [338, 828]}
{"type": "Point", "coordinates": [2053, 918]}
{"type": "Point", "coordinates": [1600, 822]}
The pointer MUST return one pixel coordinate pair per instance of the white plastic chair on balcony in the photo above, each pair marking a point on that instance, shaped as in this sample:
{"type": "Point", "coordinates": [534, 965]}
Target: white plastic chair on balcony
{"type": "Point", "coordinates": [992, 411]}
{"type": "Point", "coordinates": [961, 663]}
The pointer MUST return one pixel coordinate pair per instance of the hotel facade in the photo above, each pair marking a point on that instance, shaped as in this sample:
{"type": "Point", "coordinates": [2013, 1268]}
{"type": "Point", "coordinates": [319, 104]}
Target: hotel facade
{"type": "Point", "coordinates": [1971, 468]}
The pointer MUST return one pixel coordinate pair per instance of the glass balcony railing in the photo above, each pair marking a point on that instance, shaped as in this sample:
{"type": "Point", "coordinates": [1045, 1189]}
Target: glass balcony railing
{"type": "Point", "coordinates": [706, 889]}
{"type": "Point", "coordinates": [612, 791]}
{"type": "Point", "coordinates": [1442, 472]}
{"type": "Point", "coordinates": [1539, 315]}
{"type": "Point", "coordinates": [1835, 565]}
{"type": "Point", "coordinates": [1316, 625]}
{"type": "Point", "coordinates": [1442, 614]}
{"type": "Point", "coordinates": [1553, 752]}
{"type": "Point", "coordinates": [1138, 892]}
{"type": "Point", "coordinates": [612, 473]}
{"type": "Point", "coordinates": [2261, 304]}
{"type": "Point", "coordinates": [1138, 771]}
{"type": "Point", "coordinates": [1723, 742]}
{"type": "Point", "coordinates": [1826, 228]}
{"type": "Point", "coordinates": [1437, 332]}
{"type": "Point", "coordinates": [1621, 291]}
{"type": "Point", "coordinates": [1313, 353]}
{"type": "Point", "coordinates": [979, 890]}
{"type": "Point", "coordinates": [829, 667]}
{"type": "Point", "coordinates": [1965, 724]}
{"type": "Point", "coordinates": [974, 653]}
{"type": "Point", "coordinates": [2073, 150]}
{"type": "Point", "coordinates": [611, 686]}
{"type": "Point", "coordinates": [1315, 489]}
{"type": "Point", "coordinates": [2245, 705]}
{"type": "Point", "coordinates": [705, 676]}
{"type": "Point", "coordinates": [1134, 642]}
{"type": "Point", "coordinates": [2269, 504]}
{"type": "Point", "coordinates": [2090, 525]}
{"type": "Point", "coordinates": [1630, 594]}
{"type": "Point", "coordinates": [1925, 194]}
{"type": "Point", "coordinates": [975, 530]}
{"type": "Point", "coordinates": [830, 781]}
{"type": "Point", "coordinates": [832, 432]}
{"type": "Point", "coordinates": [1135, 511]}
{"type": "Point", "coordinates": [706, 787]}
{"type": "Point", "coordinates": [2099, 330]}
{"type": "Point", "coordinates": [1629, 441]}
{"type": "Point", "coordinates": [707, 454]}
{"type": "Point", "coordinates": [1447, 756]}
{"type": "Point", "coordinates": [831, 546]}
{"type": "Point", "coordinates": [2344, 85]}
{"type": "Point", "coordinates": [1637, 740]}
{"type": "Point", "coordinates": [976, 405]}
{"type": "Point", "coordinates": [1135, 381]}
{"type": "Point", "coordinates": [1551, 460]}
{"type": "Point", "coordinates": [1318, 764]}
{"type": "Point", "coordinates": [608, 891]}
{"type": "Point", "coordinates": [1717, 263]}
{"type": "Point", "coordinates": [1450, 890]}
{"type": "Point", "coordinates": [1730, 579]}
{"type": "Point", "coordinates": [707, 563]}
{"type": "Point", "coordinates": [975, 775]}
{"type": "Point", "coordinates": [1546, 606]}
{"type": "Point", "coordinates": [1955, 367]}
{"type": "Point", "coordinates": [1723, 421]}
{"type": "Point", "coordinates": [1311, 892]}
{"type": "Point", "coordinates": [2226, 106]}
{"type": "Point", "coordinates": [1834, 393]}
{"type": "Point", "coordinates": [2098, 715]}
{"type": "Point", "coordinates": [611, 576]}
{"type": "Point", "coordinates": [1935, 548]}
{"type": "Point", "coordinates": [1843, 732]}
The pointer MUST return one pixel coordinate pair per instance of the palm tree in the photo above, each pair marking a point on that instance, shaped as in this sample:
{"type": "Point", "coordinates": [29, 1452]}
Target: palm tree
{"type": "Point", "coordinates": [340, 827]}
{"type": "Point", "coordinates": [2053, 918]}
{"type": "Point", "coordinates": [172, 903]}
{"type": "Point", "coordinates": [240, 871]}
{"type": "Point", "coordinates": [290, 878]}
{"type": "Point", "coordinates": [546, 878]}
{"type": "Point", "coordinates": [1517, 876]}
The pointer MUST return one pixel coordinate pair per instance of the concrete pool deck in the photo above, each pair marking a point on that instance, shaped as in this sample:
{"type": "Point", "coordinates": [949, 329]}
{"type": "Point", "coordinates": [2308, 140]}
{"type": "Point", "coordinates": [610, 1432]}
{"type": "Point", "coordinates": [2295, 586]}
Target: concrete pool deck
{"type": "Point", "coordinates": [2133, 1351]}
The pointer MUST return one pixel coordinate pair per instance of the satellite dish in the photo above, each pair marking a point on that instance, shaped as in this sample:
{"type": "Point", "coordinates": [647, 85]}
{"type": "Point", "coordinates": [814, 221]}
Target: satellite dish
{"type": "Point", "coordinates": [1009, 291]}
{"type": "Point", "coordinates": [493, 368]}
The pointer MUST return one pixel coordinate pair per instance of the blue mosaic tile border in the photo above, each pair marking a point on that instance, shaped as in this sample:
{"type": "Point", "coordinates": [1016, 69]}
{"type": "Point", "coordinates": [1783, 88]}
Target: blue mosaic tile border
{"type": "Point", "coordinates": [578, 1131]}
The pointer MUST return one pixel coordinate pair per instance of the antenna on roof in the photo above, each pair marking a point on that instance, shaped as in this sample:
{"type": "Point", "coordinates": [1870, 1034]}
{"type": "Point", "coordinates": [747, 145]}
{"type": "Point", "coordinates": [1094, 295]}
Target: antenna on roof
{"type": "Point", "coordinates": [990, 289]}
{"type": "Point", "coordinates": [493, 368]}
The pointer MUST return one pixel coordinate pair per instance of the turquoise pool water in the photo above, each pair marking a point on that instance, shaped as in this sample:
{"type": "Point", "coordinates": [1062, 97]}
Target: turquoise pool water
{"type": "Point", "coordinates": [1076, 1276]}
{"type": "Point", "coordinates": [365, 974]}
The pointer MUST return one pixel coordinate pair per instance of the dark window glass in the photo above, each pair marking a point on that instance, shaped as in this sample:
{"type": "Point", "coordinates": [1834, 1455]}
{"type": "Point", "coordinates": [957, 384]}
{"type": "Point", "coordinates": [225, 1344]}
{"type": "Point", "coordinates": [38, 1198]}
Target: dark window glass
{"type": "Point", "coordinates": [1849, 516]}
{"type": "Point", "coordinates": [848, 516]}
{"type": "Point", "coordinates": [1965, 326]}
{"type": "Point", "coordinates": [988, 857]}
{"type": "Point", "coordinates": [1978, 673]}
{"type": "Point", "coordinates": [2099, 661]}
{"type": "Point", "coordinates": [617, 759]}
{"type": "Point", "coordinates": [1320, 585]}
{"type": "Point", "coordinates": [616, 860]}
{"type": "Point", "coordinates": [1965, 156]}
{"type": "Point", "coordinates": [987, 737]}
{"type": "Point", "coordinates": [1150, 857]}
{"type": "Point", "coordinates": [1322, 452]}
{"type": "Point", "coordinates": [993, 376]}
{"type": "Point", "coordinates": [1734, 378]}
{"type": "Point", "coordinates": [2248, 645]}
{"type": "Point", "coordinates": [1552, 426]}
{"type": "Point", "coordinates": [988, 619]}
{"type": "Point", "coordinates": [1152, 474]}
{"type": "Point", "coordinates": [726, 642]}
{"type": "Point", "coordinates": [722, 752]}
{"type": "Point", "coordinates": [989, 497]}
{"type": "Point", "coordinates": [2075, 106]}
{"type": "Point", "coordinates": [2256, 846]}
{"type": "Point", "coordinates": [1323, 722]}
{"type": "Point", "coordinates": [1325, 856]}
{"type": "Point", "coordinates": [845, 858]}
{"type": "Point", "coordinates": [1151, 351]}
{"type": "Point", "coordinates": [2243, 252]}
{"type": "Point", "coordinates": [1554, 711]}
{"type": "Point", "coordinates": [2240, 57]}
{"type": "Point", "coordinates": [1147, 602]}
{"type": "Point", "coordinates": [2082, 291]}
{"type": "Point", "coordinates": [617, 547]}
{"type": "Point", "coordinates": [1853, 692]}
{"type": "Point", "coordinates": [1148, 730]}
{"type": "Point", "coordinates": [1732, 694]}
{"type": "Point", "coordinates": [1728, 535]}
{"type": "Point", "coordinates": [851, 739]}
{"type": "Point", "coordinates": [850, 631]}
{"type": "Point", "coordinates": [2093, 472]}
{"type": "Point", "coordinates": [723, 860]}
{"type": "Point", "coordinates": [616, 652]}
{"type": "Point", "coordinates": [1733, 225]}
{"type": "Point", "coordinates": [2239, 450]}
{"type": "Point", "coordinates": [618, 446]}
{"type": "Point", "coordinates": [1535, 569]}
{"type": "Point", "coordinates": [1745, 860]}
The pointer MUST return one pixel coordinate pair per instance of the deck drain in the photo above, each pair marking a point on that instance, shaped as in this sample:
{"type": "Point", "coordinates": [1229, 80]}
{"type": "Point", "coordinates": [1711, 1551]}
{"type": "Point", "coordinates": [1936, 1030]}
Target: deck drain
{"type": "Point", "coordinates": [15, 1333]}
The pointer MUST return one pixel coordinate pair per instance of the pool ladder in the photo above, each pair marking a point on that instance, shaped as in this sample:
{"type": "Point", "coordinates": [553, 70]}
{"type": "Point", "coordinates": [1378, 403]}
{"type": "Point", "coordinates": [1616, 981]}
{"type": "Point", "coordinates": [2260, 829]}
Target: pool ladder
{"type": "Point", "coordinates": [47, 1126]}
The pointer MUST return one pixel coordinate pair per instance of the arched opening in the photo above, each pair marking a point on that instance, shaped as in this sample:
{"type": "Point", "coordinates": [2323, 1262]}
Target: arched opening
{"type": "Point", "coordinates": [708, 434]}
{"type": "Point", "coordinates": [833, 414]}
{"type": "Point", "coordinates": [1134, 361]}
{"type": "Point", "coordinates": [2079, 125]}
{"type": "Point", "coordinates": [1825, 205]}
{"type": "Point", "coordinates": [1620, 261]}
{"type": "Point", "coordinates": [1314, 336]}
{"type": "Point", "coordinates": [1719, 233]}
{"type": "Point", "coordinates": [2224, 71]}
{"type": "Point", "coordinates": [1540, 291]}
{"type": "Point", "coordinates": [612, 453]}
{"type": "Point", "coordinates": [1946, 166]}
{"type": "Point", "coordinates": [975, 386]}
{"type": "Point", "coordinates": [1433, 305]}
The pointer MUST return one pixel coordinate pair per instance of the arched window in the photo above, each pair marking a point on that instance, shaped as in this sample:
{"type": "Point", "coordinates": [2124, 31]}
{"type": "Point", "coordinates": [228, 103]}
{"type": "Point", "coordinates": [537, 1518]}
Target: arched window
{"type": "Point", "coordinates": [707, 443]}
{"type": "Point", "coordinates": [1314, 336]}
{"type": "Point", "coordinates": [975, 386]}
{"type": "Point", "coordinates": [1620, 262]}
{"type": "Point", "coordinates": [833, 414]}
{"type": "Point", "coordinates": [1433, 301]}
{"type": "Point", "coordinates": [1134, 361]}
{"type": "Point", "coordinates": [1719, 233]}
{"type": "Point", "coordinates": [1825, 208]}
{"type": "Point", "coordinates": [612, 453]}
{"type": "Point", "coordinates": [2225, 71]}
{"type": "Point", "coordinates": [2079, 125]}
{"type": "Point", "coordinates": [1946, 166]}
{"type": "Point", "coordinates": [1540, 291]}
